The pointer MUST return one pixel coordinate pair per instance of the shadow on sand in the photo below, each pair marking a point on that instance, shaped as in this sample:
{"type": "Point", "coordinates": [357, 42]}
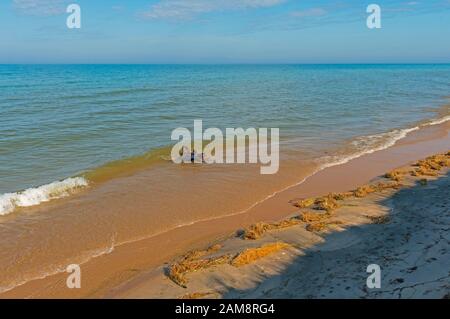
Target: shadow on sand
{"type": "Point", "coordinates": [412, 250]}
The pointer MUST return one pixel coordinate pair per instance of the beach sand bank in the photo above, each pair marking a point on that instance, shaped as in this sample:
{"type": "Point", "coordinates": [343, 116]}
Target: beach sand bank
{"type": "Point", "coordinates": [398, 222]}
{"type": "Point", "coordinates": [138, 269]}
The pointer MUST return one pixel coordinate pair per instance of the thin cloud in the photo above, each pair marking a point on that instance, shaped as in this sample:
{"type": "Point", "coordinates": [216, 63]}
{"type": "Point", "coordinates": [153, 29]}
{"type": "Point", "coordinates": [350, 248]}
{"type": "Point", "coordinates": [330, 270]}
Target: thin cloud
{"type": "Point", "coordinates": [188, 9]}
{"type": "Point", "coordinates": [40, 7]}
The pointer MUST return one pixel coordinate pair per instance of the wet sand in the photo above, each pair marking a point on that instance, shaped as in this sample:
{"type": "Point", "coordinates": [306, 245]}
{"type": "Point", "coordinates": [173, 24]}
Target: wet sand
{"type": "Point", "coordinates": [121, 272]}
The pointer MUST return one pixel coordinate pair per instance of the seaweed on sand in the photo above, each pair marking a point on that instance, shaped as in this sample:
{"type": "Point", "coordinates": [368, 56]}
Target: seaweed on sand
{"type": "Point", "coordinates": [255, 231]}
{"type": "Point", "coordinates": [191, 262]}
{"type": "Point", "coordinates": [252, 254]}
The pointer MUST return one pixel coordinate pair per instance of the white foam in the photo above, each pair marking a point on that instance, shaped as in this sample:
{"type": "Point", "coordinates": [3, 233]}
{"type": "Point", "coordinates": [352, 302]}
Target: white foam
{"type": "Point", "coordinates": [373, 143]}
{"type": "Point", "coordinates": [438, 121]}
{"type": "Point", "coordinates": [35, 196]}
{"type": "Point", "coordinates": [367, 145]}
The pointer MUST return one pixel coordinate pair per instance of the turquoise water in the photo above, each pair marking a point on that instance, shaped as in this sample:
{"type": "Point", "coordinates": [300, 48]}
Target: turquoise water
{"type": "Point", "coordinates": [58, 121]}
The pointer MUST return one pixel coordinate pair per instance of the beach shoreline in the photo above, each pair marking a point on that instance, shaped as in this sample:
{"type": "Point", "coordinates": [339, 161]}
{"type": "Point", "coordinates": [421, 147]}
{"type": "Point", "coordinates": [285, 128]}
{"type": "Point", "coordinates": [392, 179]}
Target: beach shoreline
{"type": "Point", "coordinates": [398, 221]}
{"type": "Point", "coordinates": [397, 224]}
{"type": "Point", "coordinates": [117, 272]}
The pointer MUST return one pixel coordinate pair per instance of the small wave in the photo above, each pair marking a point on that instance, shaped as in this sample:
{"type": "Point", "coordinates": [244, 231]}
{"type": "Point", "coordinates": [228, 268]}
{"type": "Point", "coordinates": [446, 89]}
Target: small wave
{"type": "Point", "coordinates": [35, 196]}
{"type": "Point", "coordinates": [438, 121]}
{"type": "Point", "coordinates": [372, 143]}
{"type": "Point", "coordinates": [366, 145]}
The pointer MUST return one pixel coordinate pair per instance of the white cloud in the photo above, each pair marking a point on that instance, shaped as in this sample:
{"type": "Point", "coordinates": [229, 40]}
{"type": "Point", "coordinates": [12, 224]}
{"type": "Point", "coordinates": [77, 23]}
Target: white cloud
{"type": "Point", "coordinates": [40, 7]}
{"type": "Point", "coordinates": [313, 12]}
{"type": "Point", "coordinates": [187, 9]}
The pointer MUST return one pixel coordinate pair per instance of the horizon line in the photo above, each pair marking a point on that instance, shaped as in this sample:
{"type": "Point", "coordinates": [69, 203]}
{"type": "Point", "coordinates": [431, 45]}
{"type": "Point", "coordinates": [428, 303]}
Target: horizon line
{"type": "Point", "coordinates": [240, 63]}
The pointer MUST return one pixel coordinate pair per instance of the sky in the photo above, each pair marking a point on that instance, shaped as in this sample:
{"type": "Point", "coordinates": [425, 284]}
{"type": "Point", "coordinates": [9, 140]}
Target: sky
{"type": "Point", "coordinates": [224, 31]}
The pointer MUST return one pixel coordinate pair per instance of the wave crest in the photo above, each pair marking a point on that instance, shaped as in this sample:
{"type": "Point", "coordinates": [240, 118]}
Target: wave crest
{"type": "Point", "coordinates": [372, 143]}
{"type": "Point", "coordinates": [35, 196]}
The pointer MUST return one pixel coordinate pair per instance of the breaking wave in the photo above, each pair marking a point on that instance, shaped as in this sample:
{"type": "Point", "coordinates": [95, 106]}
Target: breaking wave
{"type": "Point", "coordinates": [372, 143]}
{"type": "Point", "coordinates": [9, 202]}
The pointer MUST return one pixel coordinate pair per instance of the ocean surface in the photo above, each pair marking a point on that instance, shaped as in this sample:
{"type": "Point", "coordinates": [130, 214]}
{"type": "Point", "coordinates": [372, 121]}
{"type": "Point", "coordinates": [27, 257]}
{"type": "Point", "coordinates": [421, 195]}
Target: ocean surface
{"type": "Point", "coordinates": [65, 128]}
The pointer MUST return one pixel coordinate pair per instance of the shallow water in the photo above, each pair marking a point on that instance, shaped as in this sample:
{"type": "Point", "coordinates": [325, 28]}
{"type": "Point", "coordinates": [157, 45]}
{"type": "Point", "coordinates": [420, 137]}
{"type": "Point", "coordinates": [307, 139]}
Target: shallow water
{"type": "Point", "coordinates": [59, 121]}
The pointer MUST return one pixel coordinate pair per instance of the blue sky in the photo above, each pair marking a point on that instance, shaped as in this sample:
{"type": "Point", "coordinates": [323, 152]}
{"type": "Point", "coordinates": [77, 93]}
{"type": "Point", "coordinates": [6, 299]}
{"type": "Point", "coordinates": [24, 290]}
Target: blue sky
{"type": "Point", "coordinates": [224, 31]}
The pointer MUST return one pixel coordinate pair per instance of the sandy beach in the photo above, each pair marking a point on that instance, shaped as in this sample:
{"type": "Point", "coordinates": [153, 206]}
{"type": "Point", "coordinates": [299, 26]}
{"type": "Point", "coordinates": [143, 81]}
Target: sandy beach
{"type": "Point", "coordinates": [403, 229]}
{"type": "Point", "coordinates": [139, 269]}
